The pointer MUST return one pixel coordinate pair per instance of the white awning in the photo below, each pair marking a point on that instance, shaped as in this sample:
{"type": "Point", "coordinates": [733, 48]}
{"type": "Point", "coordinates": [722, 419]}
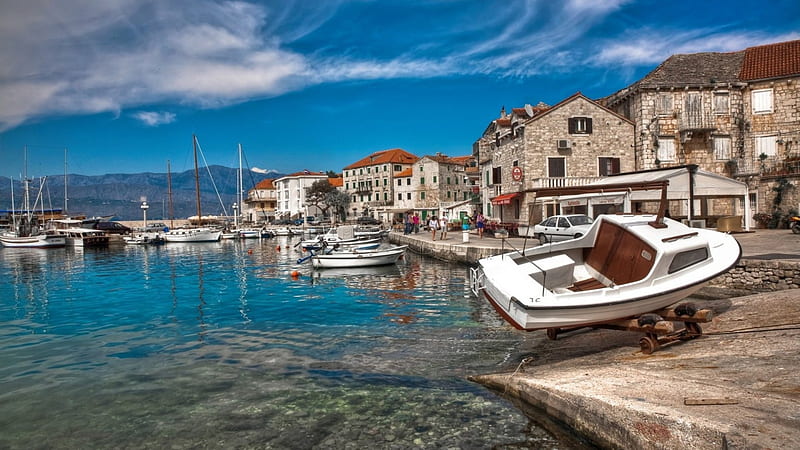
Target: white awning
{"type": "Point", "coordinates": [706, 184]}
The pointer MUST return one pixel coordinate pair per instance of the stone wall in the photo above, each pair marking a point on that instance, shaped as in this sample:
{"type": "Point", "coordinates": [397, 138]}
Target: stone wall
{"type": "Point", "coordinates": [761, 276]}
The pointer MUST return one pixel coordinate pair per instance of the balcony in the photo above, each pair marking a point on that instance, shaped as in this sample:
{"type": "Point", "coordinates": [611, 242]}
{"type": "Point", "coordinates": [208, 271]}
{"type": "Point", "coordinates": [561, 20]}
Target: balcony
{"type": "Point", "coordinates": [696, 121]}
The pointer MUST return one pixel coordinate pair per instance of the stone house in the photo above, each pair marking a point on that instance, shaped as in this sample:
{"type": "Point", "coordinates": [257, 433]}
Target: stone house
{"type": "Point", "coordinates": [734, 114]}
{"type": "Point", "coordinates": [261, 202]}
{"type": "Point", "coordinates": [437, 182]}
{"type": "Point", "coordinates": [370, 182]}
{"type": "Point", "coordinates": [291, 194]}
{"type": "Point", "coordinates": [569, 144]}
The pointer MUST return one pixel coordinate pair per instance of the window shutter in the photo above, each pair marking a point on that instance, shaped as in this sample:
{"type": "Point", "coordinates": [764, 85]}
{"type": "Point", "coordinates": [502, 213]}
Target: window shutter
{"type": "Point", "coordinates": [571, 125]}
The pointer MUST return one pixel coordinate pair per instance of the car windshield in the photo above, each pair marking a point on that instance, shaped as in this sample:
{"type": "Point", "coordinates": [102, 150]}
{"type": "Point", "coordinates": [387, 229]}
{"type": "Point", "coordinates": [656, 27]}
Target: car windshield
{"type": "Point", "coordinates": [580, 220]}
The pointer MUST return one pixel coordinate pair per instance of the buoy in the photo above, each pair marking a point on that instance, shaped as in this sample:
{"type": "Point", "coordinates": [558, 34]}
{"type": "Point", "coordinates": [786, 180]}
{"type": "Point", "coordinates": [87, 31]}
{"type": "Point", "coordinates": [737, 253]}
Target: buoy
{"type": "Point", "coordinates": [250, 251]}
{"type": "Point", "coordinates": [278, 248]}
{"type": "Point", "coordinates": [295, 274]}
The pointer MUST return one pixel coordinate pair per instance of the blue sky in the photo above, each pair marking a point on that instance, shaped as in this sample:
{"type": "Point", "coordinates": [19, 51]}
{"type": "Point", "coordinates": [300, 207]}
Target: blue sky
{"type": "Point", "coordinates": [319, 84]}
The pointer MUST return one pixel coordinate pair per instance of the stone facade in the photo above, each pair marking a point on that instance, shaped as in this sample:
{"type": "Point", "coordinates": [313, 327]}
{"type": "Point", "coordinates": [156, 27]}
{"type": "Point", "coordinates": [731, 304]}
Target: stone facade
{"type": "Point", "coordinates": [261, 202]}
{"type": "Point", "coordinates": [291, 194]}
{"type": "Point", "coordinates": [370, 182]}
{"type": "Point", "coordinates": [569, 144]}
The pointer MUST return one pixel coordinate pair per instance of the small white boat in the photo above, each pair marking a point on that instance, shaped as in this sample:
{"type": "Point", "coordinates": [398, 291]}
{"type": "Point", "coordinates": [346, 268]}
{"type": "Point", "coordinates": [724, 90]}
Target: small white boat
{"type": "Point", "coordinates": [626, 265]}
{"type": "Point", "coordinates": [321, 242]}
{"type": "Point", "coordinates": [192, 235]}
{"type": "Point", "coordinates": [144, 239]}
{"type": "Point", "coordinates": [43, 240]}
{"type": "Point", "coordinates": [358, 258]}
{"type": "Point", "coordinates": [84, 237]}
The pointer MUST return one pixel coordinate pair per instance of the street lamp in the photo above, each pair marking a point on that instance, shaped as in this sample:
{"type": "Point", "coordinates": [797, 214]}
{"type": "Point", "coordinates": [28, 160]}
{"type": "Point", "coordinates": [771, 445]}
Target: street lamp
{"type": "Point", "coordinates": [235, 215]}
{"type": "Point", "coordinates": [144, 211]}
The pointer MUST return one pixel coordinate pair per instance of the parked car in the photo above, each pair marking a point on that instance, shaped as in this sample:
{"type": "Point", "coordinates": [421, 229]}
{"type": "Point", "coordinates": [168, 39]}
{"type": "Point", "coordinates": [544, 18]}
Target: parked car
{"type": "Point", "coordinates": [155, 227]}
{"type": "Point", "coordinates": [562, 228]}
{"type": "Point", "coordinates": [111, 227]}
{"type": "Point", "coordinates": [366, 220]}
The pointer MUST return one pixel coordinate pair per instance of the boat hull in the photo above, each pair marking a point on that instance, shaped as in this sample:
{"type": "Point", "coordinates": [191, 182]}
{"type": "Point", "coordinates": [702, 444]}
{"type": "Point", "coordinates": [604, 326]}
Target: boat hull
{"type": "Point", "coordinates": [193, 235]}
{"type": "Point", "coordinates": [358, 258]}
{"type": "Point", "coordinates": [39, 241]}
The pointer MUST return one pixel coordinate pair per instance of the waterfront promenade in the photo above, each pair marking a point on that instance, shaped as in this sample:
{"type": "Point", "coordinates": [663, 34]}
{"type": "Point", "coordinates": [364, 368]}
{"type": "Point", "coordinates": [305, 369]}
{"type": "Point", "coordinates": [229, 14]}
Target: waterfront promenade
{"type": "Point", "coordinates": [734, 387]}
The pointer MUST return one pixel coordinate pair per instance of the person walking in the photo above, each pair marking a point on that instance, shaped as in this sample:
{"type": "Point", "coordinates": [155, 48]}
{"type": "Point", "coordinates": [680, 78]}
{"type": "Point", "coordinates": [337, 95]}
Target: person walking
{"type": "Point", "coordinates": [443, 228]}
{"type": "Point", "coordinates": [433, 224]}
{"type": "Point", "coordinates": [479, 224]}
{"type": "Point", "coordinates": [407, 224]}
{"type": "Point", "coordinates": [415, 223]}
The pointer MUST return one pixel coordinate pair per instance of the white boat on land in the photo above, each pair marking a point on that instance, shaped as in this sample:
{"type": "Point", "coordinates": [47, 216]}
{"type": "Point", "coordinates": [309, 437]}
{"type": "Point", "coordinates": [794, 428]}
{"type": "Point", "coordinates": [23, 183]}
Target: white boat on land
{"type": "Point", "coordinates": [358, 258]}
{"type": "Point", "coordinates": [626, 265]}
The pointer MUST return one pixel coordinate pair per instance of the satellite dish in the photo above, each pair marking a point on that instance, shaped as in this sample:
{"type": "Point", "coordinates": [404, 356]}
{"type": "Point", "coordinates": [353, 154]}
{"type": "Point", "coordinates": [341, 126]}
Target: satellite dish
{"type": "Point", "coordinates": [529, 109]}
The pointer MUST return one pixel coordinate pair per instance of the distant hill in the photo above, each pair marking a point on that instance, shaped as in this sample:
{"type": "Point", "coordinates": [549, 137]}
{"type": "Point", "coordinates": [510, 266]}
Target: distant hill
{"type": "Point", "coordinates": [121, 194]}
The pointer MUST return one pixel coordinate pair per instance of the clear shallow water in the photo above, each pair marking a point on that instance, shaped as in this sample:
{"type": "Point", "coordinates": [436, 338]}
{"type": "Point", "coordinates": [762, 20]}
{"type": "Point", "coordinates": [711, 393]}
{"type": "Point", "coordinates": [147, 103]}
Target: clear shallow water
{"type": "Point", "coordinates": [216, 345]}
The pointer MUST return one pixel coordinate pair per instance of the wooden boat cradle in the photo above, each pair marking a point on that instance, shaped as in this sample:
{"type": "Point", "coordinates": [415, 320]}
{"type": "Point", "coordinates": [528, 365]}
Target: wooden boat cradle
{"type": "Point", "coordinates": [658, 326]}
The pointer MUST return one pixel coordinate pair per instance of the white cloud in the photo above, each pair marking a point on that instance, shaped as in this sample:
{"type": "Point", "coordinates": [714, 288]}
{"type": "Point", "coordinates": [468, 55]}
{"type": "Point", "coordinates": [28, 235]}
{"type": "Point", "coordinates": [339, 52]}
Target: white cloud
{"type": "Point", "coordinates": [154, 118]}
{"type": "Point", "coordinates": [264, 171]}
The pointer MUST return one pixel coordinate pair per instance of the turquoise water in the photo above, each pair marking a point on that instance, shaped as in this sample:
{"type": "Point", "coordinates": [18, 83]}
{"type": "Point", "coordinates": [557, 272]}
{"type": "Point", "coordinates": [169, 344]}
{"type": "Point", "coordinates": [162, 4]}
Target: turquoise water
{"type": "Point", "coordinates": [216, 345]}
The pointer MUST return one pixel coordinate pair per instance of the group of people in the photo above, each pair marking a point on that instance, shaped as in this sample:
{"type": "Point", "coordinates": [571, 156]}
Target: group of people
{"type": "Point", "coordinates": [439, 224]}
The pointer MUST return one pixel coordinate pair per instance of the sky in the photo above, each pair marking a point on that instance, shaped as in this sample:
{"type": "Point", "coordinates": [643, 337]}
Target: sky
{"type": "Point", "coordinates": [120, 86]}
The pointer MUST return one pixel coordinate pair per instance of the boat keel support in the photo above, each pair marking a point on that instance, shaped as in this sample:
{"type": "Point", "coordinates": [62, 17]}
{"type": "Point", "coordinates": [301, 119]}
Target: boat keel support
{"type": "Point", "coordinates": [658, 326]}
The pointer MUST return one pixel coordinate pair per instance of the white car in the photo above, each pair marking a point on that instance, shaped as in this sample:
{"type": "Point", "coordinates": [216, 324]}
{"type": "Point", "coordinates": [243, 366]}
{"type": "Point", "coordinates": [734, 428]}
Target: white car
{"type": "Point", "coordinates": [562, 228]}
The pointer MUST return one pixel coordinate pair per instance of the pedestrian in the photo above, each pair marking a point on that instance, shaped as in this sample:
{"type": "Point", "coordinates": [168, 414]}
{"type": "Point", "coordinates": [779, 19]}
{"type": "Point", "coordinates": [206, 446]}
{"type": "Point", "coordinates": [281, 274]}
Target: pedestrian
{"type": "Point", "coordinates": [433, 224]}
{"type": "Point", "coordinates": [479, 224]}
{"type": "Point", "coordinates": [407, 224]}
{"type": "Point", "coordinates": [443, 228]}
{"type": "Point", "coordinates": [415, 222]}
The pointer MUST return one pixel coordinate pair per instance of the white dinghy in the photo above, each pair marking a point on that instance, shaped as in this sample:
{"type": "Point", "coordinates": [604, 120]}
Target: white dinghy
{"type": "Point", "coordinates": [357, 258]}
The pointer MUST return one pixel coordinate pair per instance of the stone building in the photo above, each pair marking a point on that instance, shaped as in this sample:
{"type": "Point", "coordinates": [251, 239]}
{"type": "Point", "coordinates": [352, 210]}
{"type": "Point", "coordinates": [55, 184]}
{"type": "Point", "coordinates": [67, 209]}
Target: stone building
{"type": "Point", "coordinates": [370, 182]}
{"type": "Point", "coordinates": [569, 144]}
{"type": "Point", "coordinates": [261, 202]}
{"type": "Point", "coordinates": [437, 182]}
{"type": "Point", "coordinates": [291, 194]}
{"type": "Point", "coordinates": [734, 114]}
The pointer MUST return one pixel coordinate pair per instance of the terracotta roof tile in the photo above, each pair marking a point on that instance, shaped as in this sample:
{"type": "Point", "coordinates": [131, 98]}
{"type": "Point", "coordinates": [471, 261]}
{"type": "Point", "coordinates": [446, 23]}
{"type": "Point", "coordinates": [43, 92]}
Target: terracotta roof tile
{"type": "Point", "coordinates": [305, 172]}
{"type": "Point", "coordinates": [265, 184]}
{"type": "Point", "coordinates": [395, 155]}
{"type": "Point", "coordinates": [771, 61]}
{"type": "Point", "coordinates": [404, 173]}
{"type": "Point", "coordinates": [336, 182]}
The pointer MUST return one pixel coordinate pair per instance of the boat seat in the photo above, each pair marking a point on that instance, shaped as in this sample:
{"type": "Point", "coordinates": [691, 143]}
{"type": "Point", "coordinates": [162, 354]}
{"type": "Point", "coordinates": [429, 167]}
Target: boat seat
{"type": "Point", "coordinates": [586, 285]}
{"type": "Point", "coordinates": [552, 272]}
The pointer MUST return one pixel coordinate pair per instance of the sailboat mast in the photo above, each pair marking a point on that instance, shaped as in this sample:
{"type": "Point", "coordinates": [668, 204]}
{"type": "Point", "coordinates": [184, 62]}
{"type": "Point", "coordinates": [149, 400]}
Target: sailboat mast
{"type": "Point", "coordinates": [197, 181]}
{"type": "Point", "coordinates": [241, 202]}
{"type": "Point", "coordinates": [65, 181]}
{"type": "Point", "coordinates": [169, 197]}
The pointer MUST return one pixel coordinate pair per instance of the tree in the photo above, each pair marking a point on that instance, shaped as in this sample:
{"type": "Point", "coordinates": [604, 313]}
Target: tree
{"type": "Point", "coordinates": [339, 201]}
{"type": "Point", "coordinates": [316, 195]}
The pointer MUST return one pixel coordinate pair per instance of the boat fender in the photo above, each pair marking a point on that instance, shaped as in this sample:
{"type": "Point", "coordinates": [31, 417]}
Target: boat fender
{"type": "Point", "coordinates": [686, 309]}
{"type": "Point", "coordinates": [649, 319]}
{"type": "Point", "coordinates": [295, 274]}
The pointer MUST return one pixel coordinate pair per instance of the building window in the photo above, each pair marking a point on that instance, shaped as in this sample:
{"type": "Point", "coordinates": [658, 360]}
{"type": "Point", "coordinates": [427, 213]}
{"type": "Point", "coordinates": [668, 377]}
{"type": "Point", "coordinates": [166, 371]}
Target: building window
{"type": "Point", "coordinates": [399, 196]}
{"type": "Point", "coordinates": [408, 181]}
{"type": "Point", "coordinates": [497, 175]}
{"type": "Point", "coordinates": [557, 167]}
{"type": "Point", "coordinates": [408, 196]}
{"type": "Point", "coordinates": [448, 180]}
{"type": "Point", "coordinates": [580, 125]}
{"type": "Point", "coordinates": [434, 178]}
{"type": "Point", "coordinates": [399, 182]}
{"type": "Point", "coordinates": [721, 103]}
{"type": "Point", "coordinates": [607, 166]}
{"type": "Point", "coordinates": [762, 101]}
{"type": "Point", "coordinates": [666, 149]}
{"type": "Point", "coordinates": [722, 147]}
{"type": "Point", "coordinates": [385, 196]}
{"type": "Point", "coordinates": [422, 195]}
{"type": "Point", "coordinates": [422, 180]}
{"type": "Point", "coordinates": [385, 181]}
{"type": "Point", "coordinates": [421, 167]}
{"type": "Point", "coordinates": [664, 104]}
{"type": "Point", "coordinates": [448, 194]}
{"type": "Point", "coordinates": [398, 168]}
{"type": "Point", "coordinates": [385, 168]}
{"type": "Point", "coordinates": [765, 145]}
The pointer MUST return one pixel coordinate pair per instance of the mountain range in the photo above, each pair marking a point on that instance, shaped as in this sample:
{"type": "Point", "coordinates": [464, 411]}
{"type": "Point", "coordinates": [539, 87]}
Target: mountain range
{"type": "Point", "coordinates": [121, 195]}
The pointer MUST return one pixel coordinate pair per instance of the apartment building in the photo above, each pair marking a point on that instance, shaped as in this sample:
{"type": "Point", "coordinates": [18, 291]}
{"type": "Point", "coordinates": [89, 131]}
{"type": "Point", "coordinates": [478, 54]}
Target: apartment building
{"type": "Point", "coordinates": [370, 182]}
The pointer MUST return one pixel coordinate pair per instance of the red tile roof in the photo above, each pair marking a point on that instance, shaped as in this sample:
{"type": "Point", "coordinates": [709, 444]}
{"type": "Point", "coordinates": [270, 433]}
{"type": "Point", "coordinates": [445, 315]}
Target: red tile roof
{"type": "Point", "coordinates": [404, 173]}
{"type": "Point", "coordinates": [771, 61]}
{"type": "Point", "coordinates": [336, 182]}
{"type": "Point", "coordinates": [265, 184]}
{"type": "Point", "coordinates": [307, 173]}
{"type": "Point", "coordinates": [395, 155]}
